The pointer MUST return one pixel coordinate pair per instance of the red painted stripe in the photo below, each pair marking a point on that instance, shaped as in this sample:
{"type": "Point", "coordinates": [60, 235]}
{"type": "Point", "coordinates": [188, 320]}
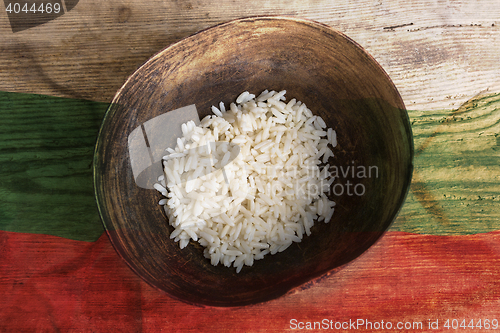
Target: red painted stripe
{"type": "Point", "coordinates": [49, 283]}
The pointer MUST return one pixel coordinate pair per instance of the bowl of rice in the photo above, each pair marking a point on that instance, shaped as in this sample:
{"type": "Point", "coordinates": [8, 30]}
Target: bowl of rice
{"type": "Point", "coordinates": [251, 158]}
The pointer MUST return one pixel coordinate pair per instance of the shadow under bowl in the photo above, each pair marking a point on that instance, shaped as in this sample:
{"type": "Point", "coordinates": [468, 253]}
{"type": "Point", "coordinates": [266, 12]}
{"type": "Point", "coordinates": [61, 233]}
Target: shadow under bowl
{"type": "Point", "coordinates": [315, 64]}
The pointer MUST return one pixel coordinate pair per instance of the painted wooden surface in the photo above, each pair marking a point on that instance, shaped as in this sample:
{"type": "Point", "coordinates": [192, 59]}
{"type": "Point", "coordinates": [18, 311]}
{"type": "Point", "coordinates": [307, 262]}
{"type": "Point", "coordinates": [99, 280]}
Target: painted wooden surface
{"type": "Point", "coordinates": [46, 150]}
{"type": "Point", "coordinates": [439, 53]}
{"type": "Point", "coordinates": [456, 182]}
{"type": "Point", "coordinates": [47, 142]}
{"type": "Point", "coordinates": [404, 278]}
{"type": "Point", "coordinates": [439, 259]}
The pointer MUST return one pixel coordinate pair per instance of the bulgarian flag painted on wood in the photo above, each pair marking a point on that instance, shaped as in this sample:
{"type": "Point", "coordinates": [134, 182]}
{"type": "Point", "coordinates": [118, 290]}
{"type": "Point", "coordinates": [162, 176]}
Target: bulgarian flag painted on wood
{"type": "Point", "coordinates": [58, 271]}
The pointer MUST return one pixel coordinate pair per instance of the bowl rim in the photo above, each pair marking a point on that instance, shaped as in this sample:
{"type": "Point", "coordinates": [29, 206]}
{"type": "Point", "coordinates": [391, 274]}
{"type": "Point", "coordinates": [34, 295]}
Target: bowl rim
{"type": "Point", "coordinates": [285, 18]}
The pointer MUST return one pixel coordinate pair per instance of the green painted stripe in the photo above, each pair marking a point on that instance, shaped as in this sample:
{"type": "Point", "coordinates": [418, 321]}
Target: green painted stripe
{"type": "Point", "coordinates": [456, 184]}
{"type": "Point", "coordinates": [46, 149]}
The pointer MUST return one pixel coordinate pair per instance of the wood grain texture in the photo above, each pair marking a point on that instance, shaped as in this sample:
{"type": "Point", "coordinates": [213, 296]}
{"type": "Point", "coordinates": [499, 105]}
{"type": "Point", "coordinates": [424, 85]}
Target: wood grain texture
{"type": "Point", "coordinates": [46, 149]}
{"type": "Point", "coordinates": [439, 53]}
{"type": "Point", "coordinates": [456, 182]}
{"type": "Point", "coordinates": [66, 285]}
{"type": "Point", "coordinates": [454, 191]}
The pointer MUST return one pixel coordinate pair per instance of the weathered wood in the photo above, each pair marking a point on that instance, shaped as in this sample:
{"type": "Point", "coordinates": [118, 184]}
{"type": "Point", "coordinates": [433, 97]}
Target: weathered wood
{"type": "Point", "coordinates": [439, 54]}
{"type": "Point", "coordinates": [46, 150]}
{"type": "Point", "coordinates": [46, 178]}
{"type": "Point", "coordinates": [456, 182]}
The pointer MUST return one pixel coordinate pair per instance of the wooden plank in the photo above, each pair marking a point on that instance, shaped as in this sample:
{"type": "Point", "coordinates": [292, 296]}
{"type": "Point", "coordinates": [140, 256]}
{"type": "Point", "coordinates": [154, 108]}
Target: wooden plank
{"type": "Point", "coordinates": [46, 150]}
{"type": "Point", "coordinates": [456, 185]}
{"type": "Point", "coordinates": [402, 278]}
{"type": "Point", "coordinates": [439, 54]}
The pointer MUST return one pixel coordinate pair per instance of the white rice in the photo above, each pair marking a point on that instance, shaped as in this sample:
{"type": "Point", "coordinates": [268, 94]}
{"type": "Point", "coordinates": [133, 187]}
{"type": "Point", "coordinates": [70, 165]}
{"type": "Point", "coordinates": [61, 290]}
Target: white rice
{"type": "Point", "coordinates": [263, 200]}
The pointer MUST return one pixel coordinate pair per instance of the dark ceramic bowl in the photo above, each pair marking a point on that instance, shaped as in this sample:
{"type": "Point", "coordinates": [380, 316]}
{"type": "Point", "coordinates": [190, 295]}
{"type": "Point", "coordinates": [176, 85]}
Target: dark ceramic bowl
{"type": "Point", "coordinates": [317, 65]}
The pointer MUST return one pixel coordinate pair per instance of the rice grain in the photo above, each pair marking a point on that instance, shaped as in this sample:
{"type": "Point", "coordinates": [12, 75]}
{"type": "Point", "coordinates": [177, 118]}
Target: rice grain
{"type": "Point", "coordinates": [264, 199]}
